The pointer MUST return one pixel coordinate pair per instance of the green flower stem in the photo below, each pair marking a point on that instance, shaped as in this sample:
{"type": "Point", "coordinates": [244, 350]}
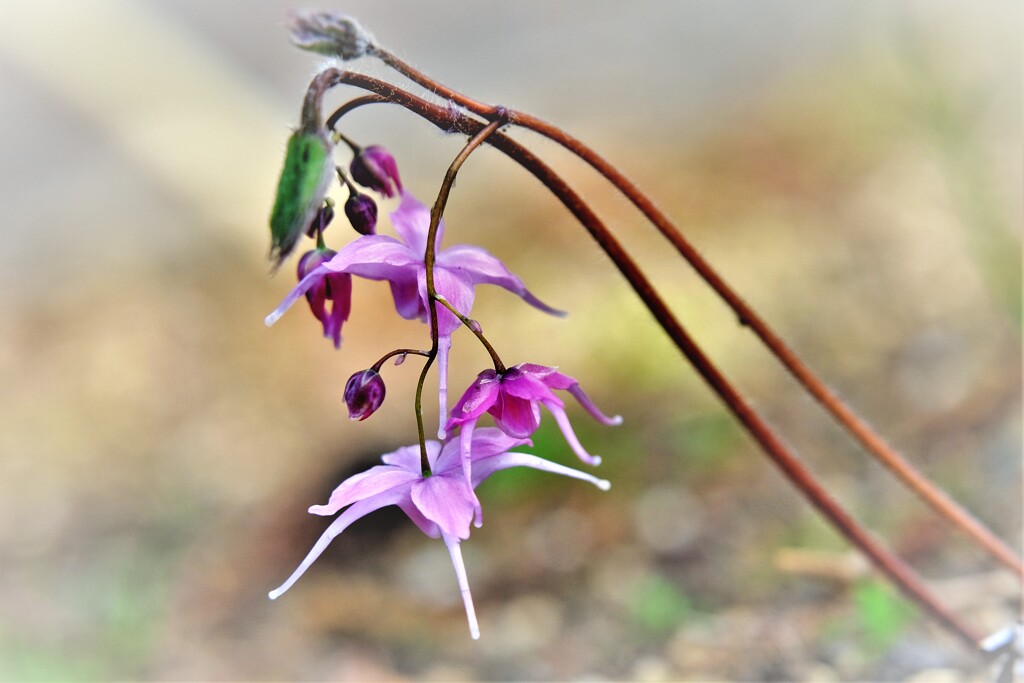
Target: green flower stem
{"type": "Point", "coordinates": [474, 327]}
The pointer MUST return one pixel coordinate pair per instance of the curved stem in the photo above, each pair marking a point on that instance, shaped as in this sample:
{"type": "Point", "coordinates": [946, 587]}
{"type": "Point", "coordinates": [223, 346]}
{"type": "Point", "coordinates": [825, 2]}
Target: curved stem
{"type": "Point", "coordinates": [841, 412]}
{"type": "Point", "coordinates": [398, 352]}
{"type": "Point", "coordinates": [428, 259]}
{"type": "Point", "coordinates": [474, 327]}
{"type": "Point", "coordinates": [901, 574]}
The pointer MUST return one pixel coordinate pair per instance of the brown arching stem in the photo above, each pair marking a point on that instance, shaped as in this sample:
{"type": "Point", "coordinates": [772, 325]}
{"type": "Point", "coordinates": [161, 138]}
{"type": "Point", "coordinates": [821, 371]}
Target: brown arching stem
{"type": "Point", "coordinates": [841, 412]}
{"type": "Point", "coordinates": [901, 574]}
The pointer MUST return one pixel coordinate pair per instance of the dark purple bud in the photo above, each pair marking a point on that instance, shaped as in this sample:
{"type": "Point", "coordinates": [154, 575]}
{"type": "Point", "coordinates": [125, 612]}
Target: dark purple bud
{"type": "Point", "coordinates": [313, 259]}
{"type": "Point", "coordinates": [375, 168]}
{"type": "Point", "coordinates": [322, 219]}
{"type": "Point", "coordinates": [364, 393]}
{"type": "Point", "coordinates": [362, 213]}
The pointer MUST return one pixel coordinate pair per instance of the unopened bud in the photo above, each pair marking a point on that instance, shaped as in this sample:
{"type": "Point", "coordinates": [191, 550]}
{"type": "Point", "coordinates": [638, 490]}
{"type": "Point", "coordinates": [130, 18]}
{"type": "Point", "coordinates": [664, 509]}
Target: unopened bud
{"type": "Point", "coordinates": [362, 213]}
{"type": "Point", "coordinates": [375, 168]}
{"type": "Point", "coordinates": [329, 33]}
{"type": "Point", "coordinates": [322, 218]}
{"type": "Point", "coordinates": [364, 393]}
{"type": "Point", "coordinates": [307, 172]}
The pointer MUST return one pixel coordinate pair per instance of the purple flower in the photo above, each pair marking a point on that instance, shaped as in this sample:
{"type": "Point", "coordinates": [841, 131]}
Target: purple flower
{"type": "Point", "coordinates": [457, 270]}
{"type": "Point", "coordinates": [364, 393]}
{"type": "Point", "coordinates": [513, 399]}
{"type": "Point", "coordinates": [333, 287]}
{"type": "Point", "coordinates": [375, 168]}
{"type": "Point", "coordinates": [441, 505]}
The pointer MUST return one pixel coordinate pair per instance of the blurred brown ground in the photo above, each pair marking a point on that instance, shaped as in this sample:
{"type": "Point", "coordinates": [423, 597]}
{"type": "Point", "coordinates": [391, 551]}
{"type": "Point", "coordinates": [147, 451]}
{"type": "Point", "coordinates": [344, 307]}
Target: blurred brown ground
{"type": "Point", "coordinates": [853, 169]}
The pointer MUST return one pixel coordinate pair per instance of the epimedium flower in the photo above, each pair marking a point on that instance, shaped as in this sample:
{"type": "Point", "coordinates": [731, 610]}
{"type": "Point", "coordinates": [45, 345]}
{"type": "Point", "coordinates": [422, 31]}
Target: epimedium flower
{"type": "Point", "coordinates": [513, 398]}
{"type": "Point", "coordinates": [457, 270]}
{"type": "Point", "coordinates": [335, 288]}
{"type": "Point", "coordinates": [441, 505]}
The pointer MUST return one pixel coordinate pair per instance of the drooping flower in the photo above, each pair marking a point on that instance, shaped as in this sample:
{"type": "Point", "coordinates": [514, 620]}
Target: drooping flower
{"type": "Point", "coordinates": [441, 505]}
{"type": "Point", "coordinates": [513, 399]}
{"type": "Point", "coordinates": [333, 287]}
{"type": "Point", "coordinates": [457, 270]}
{"type": "Point", "coordinates": [364, 393]}
{"type": "Point", "coordinates": [375, 168]}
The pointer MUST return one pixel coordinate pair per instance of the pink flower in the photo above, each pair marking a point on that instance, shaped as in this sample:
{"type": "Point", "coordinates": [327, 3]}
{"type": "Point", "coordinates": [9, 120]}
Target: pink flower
{"type": "Point", "coordinates": [441, 505]}
{"type": "Point", "coordinates": [335, 287]}
{"type": "Point", "coordinates": [457, 270]}
{"type": "Point", "coordinates": [513, 399]}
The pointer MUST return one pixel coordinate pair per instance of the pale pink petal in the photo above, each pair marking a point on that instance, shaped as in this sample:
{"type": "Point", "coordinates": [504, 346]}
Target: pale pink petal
{"type": "Point", "coordinates": [364, 485]}
{"type": "Point", "coordinates": [485, 467]}
{"type": "Point", "coordinates": [480, 396]}
{"type": "Point", "coordinates": [408, 457]}
{"type": "Point", "coordinates": [455, 551]}
{"type": "Point", "coordinates": [297, 293]}
{"type": "Point", "coordinates": [377, 257]}
{"type": "Point", "coordinates": [411, 221]}
{"type": "Point", "coordinates": [363, 507]}
{"type": "Point", "coordinates": [407, 299]}
{"type": "Point", "coordinates": [466, 450]}
{"type": "Point", "coordinates": [589, 406]}
{"type": "Point", "coordinates": [456, 291]}
{"type": "Point", "coordinates": [447, 501]}
{"type": "Point", "coordinates": [480, 267]}
{"type": "Point", "coordinates": [570, 436]}
{"type": "Point", "coordinates": [444, 347]}
{"type": "Point", "coordinates": [425, 525]}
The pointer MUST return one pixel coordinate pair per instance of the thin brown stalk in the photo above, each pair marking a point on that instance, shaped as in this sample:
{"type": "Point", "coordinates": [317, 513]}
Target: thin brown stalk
{"type": "Point", "coordinates": [841, 412]}
{"type": "Point", "coordinates": [901, 574]}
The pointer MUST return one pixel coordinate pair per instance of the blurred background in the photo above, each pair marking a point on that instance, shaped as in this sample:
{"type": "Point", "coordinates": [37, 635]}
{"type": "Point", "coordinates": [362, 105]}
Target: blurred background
{"type": "Point", "coordinates": [853, 168]}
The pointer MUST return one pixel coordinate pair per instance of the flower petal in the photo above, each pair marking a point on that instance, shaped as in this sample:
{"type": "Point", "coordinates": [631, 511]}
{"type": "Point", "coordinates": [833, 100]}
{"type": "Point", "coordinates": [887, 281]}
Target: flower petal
{"type": "Point", "coordinates": [446, 501]}
{"type": "Point", "coordinates": [455, 551]}
{"type": "Point", "coordinates": [516, 416]}
{"type": "Point", "coordinates": [589, 406]}
{"type": "Point", "coordinates": [485, 443]}
{"type": "Point", "coordinates": [444, 347]}
{"type": "Point", "coordinates": [365, 485]}
{"type": "Point", "coordinates": [377, 257]}
{"type": "Point", "coordinates": [297, 292]}
{"type": "Point", "coordinates": [480, 267]}
{"type": "Point", "coordinates": [363, 507]}
{"type": "Point", "coordinates": [341, 306]}
{"type": "Point", "coordinates": [425, 525]}
{"type": "Point", "coordinates": [485, 467]}
{"type": "Point", "coordinates": [407, 300]}
{"type": "Point", "coordinates": [408, 457]}
{"type": "Point", "coordinates": [525, 385]}
{"type": "Point", "coordinates": [570, 436]}
{"type": "Point", "coordinates": [456, 291]}
{"type": "Point", "coordinates": [411, 221]}
{"type": "Point", "coordinates": [480, 396]}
